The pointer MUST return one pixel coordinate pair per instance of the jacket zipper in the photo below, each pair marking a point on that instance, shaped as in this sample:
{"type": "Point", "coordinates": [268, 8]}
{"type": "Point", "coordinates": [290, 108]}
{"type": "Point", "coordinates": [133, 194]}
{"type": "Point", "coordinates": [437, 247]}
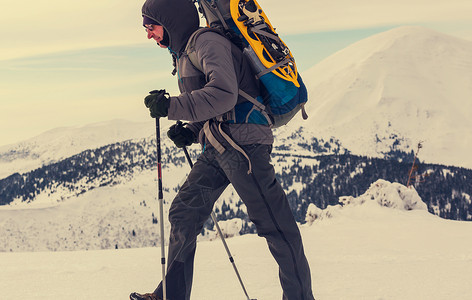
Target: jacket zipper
{"type": "Point", "coordinates": [177, 58]}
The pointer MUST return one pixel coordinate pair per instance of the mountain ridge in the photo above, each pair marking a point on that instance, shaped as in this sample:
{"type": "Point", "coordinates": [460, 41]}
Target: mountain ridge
{"type": "Point", "coordinates": [396, 88]}
{"type": "Point", "coordinates": [59, 143]}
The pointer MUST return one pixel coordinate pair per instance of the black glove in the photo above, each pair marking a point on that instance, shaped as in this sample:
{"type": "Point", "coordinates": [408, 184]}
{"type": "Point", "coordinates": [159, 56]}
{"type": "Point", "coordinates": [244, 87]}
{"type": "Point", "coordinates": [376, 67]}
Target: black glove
{"type": "Point", "coordinates": [158, 103]}
{"type": "Point", "coordinates": [181, 136]}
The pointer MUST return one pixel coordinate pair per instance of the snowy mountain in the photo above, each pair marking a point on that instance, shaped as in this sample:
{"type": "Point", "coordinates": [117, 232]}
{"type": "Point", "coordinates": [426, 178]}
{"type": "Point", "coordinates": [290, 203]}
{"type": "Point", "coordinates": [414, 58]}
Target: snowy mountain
{"type": "Point", "coordinates": [365, 251]}
{"type": "Point", "coordinates": [60, 143]}
{"type": "Point", "coordinates": [393, 90]}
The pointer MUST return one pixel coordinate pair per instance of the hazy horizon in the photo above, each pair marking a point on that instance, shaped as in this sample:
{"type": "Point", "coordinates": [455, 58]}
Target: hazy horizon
{"type": "Point", "coordinates": [57, 70]}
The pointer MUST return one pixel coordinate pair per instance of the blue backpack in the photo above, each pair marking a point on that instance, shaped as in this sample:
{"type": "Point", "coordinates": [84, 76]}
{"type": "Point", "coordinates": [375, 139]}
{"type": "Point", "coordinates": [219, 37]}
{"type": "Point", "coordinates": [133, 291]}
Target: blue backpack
{"type": "Point", "coordinates": [283, 92]}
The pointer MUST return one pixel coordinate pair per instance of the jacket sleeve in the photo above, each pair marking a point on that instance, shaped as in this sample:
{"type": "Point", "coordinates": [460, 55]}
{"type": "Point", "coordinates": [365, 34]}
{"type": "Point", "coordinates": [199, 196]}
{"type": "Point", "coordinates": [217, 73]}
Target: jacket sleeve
{"type": "Point", "coordinates": [220, 93]}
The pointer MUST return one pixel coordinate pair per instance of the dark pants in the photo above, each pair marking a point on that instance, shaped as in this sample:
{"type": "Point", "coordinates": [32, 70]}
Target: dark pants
{"type": "Point", "coordinates": [267, 207]}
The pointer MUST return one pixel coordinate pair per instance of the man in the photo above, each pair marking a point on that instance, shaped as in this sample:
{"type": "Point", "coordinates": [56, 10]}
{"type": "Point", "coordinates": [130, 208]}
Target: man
{"type": "Point", "coordinates": [233, 153]}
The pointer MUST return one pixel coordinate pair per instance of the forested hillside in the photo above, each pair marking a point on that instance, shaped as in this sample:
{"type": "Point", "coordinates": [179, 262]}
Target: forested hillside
{"type": "Point", "coordinates": [307, 179]}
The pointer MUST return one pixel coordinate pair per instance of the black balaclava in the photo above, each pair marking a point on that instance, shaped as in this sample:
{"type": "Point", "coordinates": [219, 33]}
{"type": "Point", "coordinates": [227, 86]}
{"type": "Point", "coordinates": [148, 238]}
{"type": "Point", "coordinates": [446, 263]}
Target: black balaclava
{"type": "Point", "coordinates": [178, 17]}
{"type": "Point", "coordinates": [165, 38]}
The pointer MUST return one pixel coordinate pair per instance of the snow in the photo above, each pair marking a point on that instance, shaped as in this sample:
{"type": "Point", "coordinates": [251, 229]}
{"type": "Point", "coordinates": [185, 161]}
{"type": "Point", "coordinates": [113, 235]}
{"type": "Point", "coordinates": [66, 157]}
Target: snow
{"type": "Point", "coordinates": [54, 145]}
{"type": "Point", "coordinates": [467, 196]}
{"type": "Point", "coordinates": [229, 228]}
{"type": "Point", "coordinates": [381, 192]}
{"type": "Point", "coordinates": [405, 85]}
{"type": "Point", "coordinates": [447, 172]}
{"type": "Point", "coordinates": [366, 251]}
{"type": "Point", "coordinates": [102, 218]}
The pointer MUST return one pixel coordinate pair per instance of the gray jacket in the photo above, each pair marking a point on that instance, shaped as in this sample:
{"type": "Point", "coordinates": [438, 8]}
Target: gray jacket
{"type": "Point", "coordinates": [205, 96]}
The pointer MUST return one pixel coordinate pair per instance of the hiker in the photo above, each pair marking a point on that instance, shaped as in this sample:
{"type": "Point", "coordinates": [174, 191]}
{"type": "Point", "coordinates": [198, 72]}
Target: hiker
{"type": "Point", "coordinates": [237, 154]}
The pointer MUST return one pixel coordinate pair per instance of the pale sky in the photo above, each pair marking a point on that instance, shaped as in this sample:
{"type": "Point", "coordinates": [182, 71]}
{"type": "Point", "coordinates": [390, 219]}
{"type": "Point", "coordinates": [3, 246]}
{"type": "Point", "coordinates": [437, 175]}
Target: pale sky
{"type": "Point", "coordinates": [66, 63]}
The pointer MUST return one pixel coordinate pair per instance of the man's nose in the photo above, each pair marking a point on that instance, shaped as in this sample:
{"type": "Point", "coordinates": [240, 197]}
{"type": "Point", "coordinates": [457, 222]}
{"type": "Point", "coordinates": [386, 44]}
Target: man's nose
{"type": "Point", "coordinates": [149, 34]}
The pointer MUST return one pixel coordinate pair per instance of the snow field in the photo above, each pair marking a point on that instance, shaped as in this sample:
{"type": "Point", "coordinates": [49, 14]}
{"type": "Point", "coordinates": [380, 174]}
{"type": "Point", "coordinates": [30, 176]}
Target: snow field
{"type": "Point", "coordinates": [365, 252]}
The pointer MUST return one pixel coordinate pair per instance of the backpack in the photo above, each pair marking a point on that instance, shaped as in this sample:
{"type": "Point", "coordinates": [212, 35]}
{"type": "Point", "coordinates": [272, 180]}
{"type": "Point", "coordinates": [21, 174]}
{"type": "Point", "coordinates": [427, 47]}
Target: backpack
{"type": "Point", "coordinates": [283, 92]}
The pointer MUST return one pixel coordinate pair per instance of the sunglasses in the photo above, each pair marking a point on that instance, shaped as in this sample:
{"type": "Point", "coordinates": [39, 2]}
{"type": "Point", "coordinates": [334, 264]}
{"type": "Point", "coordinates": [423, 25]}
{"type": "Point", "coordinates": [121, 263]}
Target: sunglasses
{"type": "Point", "coordinates": [149, 27]}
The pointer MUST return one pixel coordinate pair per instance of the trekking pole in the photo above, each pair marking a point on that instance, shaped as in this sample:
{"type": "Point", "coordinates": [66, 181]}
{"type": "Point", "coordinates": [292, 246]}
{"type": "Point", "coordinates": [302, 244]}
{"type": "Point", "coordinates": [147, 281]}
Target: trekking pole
{"type": "Point", "coordinates": [161, 207]}
{"type": "Point", "coordinates": [220, 233]}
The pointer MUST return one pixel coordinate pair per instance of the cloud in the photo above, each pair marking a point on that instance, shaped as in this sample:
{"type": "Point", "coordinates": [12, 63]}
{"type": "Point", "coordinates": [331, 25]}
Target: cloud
{"type": "Point", "coordinates": [33, 27]}
{"type": "Point", "coordinates": [314, 16]}
{"type": "Point", "coordinates": [45, 26]}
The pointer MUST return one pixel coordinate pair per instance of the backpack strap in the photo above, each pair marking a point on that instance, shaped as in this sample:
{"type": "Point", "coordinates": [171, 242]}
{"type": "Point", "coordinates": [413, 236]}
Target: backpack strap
{"type": "Point", "coordinates": [211, 138]}
{"type": "Point", "coordinates": [235, 146]}
{"type": "Point", "coordinates": [220, 148]}
{"type": "Point", "coordinates": [260, 107]}
{"type": "Point", "coordinates": [190, 48]}
{"type": "Point", "coordinates": [258, 29]}
{"type": "Point", "coordinates": [211, 11]}
{"type": "Point", "coordinates": [214, 5]}
{"type": "Point", "coordinates": [268, 70]}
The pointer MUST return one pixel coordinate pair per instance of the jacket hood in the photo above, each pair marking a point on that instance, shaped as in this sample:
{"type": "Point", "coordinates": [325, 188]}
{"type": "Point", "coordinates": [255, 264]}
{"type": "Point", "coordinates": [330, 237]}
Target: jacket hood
{"type": "Point", "coordinates": [178, 17]}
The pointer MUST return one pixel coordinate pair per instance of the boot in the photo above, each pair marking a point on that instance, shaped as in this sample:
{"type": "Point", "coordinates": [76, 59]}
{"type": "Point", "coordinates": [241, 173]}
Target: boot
{"type": "Point", "coordinates": [149, 296]}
